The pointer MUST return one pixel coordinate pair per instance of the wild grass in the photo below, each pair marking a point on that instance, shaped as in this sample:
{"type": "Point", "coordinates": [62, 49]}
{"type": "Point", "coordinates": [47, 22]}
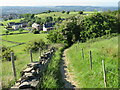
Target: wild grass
{"type": "Point", "coordinates": [52, 76]}
{"type": "Point", "coordinates": [105, 49]}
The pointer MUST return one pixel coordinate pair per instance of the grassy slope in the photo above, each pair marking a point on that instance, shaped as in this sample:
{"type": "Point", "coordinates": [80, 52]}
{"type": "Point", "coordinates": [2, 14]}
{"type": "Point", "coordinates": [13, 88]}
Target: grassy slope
{"type": "Point", "coordinates": [101, 50]}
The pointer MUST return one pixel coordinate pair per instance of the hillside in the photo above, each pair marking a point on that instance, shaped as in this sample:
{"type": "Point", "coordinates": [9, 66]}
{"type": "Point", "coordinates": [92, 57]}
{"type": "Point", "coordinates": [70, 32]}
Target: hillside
{"type": "Point", "coordinates": [22, 10]}
{"type": "Point", "coordinates": [102, 49]}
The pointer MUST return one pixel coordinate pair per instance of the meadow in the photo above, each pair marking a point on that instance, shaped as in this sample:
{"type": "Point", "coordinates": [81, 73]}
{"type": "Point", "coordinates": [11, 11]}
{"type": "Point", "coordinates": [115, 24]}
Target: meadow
{"type": "Point", "coordinates": [60, 14]}
{"type": "Point", "coordinates": [102, 49]}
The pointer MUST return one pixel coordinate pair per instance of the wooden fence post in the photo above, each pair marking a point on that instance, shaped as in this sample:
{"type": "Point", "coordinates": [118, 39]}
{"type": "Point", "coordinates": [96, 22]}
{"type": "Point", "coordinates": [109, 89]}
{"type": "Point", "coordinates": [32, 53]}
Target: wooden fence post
{"type": "Point", "coordinates": [13, 65]}
{"type": "Point", "coordinates": [82, 54]}
{"type": "Point", "coordinates": [31, 59]}
{"type": "Point", "coordinates": [90, 60]}
{"type": "Point", "coordinates": [39, 53]}
{"type": "Point", "coordinates": [104, 74]}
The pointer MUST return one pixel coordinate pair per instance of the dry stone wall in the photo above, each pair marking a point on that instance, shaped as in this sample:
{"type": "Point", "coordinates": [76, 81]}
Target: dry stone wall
{"type": "Point", "coordinates": [30, 77]}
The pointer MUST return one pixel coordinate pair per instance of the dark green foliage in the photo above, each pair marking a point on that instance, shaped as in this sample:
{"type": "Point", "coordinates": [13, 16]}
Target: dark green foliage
{"type": "Point", "coordinates": [48, 11]}
{"type": "Point", "coordinates": [34, 45]}
{"type": "Point", "coordinates": [80, 12]}
{"type": "Point", "coordinates": [98, 25]}
{"type": "Point", "coordinates": [30, 24]}
{"type": "Point", "coordinates": [57, 19]}
{"type": "Point", "coordinates": [35, 31]}
{"type": "Point", "coordinates": [67, 32]}
{"type": "Point", "coordinates": [21, 30]}
{"type": "Point", "coordinates": [55, 36]}
{"type": "Point", "coordinates": [6, 53]}
{"type": "Point", "coordinates": [7, 32]}
{"type": "Point", "coordinates": [48, 19]}
{"type": "Point", "coordinates": [68, 12]}
{"type": "Point", "coordinates": [63, 11]}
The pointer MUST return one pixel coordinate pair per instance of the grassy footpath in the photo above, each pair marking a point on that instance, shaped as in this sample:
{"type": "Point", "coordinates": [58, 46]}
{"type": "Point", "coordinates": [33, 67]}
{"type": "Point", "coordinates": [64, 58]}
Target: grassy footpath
{"type": "Point", "coordinates": [105, 49]}
{"type": "Point", "coordinates": [52, 76]}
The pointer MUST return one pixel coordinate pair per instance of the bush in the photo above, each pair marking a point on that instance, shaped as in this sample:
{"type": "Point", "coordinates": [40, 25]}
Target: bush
{"type": "Point", "coordinates": [34, 45]}
{"type": "Point", "coordinates": [35, 31]}
{"type": "Point", "coordinates": [6, 53]}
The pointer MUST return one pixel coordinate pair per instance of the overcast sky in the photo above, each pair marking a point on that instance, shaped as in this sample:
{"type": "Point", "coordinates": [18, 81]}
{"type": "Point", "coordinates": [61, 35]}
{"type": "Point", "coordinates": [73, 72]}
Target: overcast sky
{"type": "Point", "coordinates": [59, 2]}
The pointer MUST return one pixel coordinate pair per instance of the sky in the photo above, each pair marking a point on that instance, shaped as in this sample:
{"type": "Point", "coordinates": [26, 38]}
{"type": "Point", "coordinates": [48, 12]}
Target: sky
{"type": "Point", "coordinates": [59, 2]}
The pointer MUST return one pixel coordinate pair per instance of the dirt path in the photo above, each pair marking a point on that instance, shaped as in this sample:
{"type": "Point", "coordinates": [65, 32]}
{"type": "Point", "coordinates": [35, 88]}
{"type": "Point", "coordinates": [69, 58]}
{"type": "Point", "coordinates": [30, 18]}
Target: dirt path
{"type": "Point", "coordinates": [67, 77]}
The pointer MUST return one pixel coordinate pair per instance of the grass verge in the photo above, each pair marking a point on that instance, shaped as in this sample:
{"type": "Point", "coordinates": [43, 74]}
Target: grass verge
{"type": "Point", "coordinates": [105, 49]}
{"type": "Point", "coordinates": [52, 76]}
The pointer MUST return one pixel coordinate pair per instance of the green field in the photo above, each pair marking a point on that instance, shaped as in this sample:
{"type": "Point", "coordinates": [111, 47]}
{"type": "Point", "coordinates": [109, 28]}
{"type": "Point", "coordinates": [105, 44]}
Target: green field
{"type": "Point", "coordinates": [24, 37]}
{"type": "Point", "coordinates": [59, 14]}
{"type": "Point", "coordinates": [105, 49]}
{"type": "Point", "coordinates": [14, 20]}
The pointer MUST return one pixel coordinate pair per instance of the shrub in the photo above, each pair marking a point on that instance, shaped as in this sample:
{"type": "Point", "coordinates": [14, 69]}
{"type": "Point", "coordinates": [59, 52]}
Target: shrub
{"type": "Point", "coordinates": [6, 53]}
{"type": "Point", "coordinates": [35, 44]}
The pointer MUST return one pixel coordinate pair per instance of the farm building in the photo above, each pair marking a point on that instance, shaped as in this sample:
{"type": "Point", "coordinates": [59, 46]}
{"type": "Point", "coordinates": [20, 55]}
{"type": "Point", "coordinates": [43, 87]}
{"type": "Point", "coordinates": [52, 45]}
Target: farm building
{"type": "Point", "coordinates": [48, 26]}
{"type": "Point", "coordinates": [17, 25]}
{"type": "Point", "coordinates": [36, 26]}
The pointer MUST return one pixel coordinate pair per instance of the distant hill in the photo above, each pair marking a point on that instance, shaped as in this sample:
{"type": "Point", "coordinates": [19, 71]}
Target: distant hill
{"type": "Point", "coordinates": [38, 9]}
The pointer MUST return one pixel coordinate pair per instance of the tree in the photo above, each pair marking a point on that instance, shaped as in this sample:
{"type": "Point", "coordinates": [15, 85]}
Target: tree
{"type": "Point", "coordinates": [30, 24]}
{"type": "Point", "coordinates": [6, 32]}
{"type": "Point", "coordinates": [48, 11]}
{"type": "Point", "coordinates": [35, 44]}
{"type": "Point", "coordinates": [80, 12]}
{"type": "Point", "coordinates": [63, 11]}
{"type": "Point", "coordinates": [21, 30]}
{"type": "Point", "coordinates": [66, 32]}
{"type": "Point", "coordinates": [6, 53]}
{"type": "Point", "coordinates": [68, 12]}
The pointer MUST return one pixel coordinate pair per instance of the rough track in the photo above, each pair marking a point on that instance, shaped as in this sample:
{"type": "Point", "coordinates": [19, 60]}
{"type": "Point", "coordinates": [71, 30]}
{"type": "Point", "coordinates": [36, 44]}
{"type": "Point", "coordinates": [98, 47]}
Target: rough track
{"type": "Point", "coordinates": [67, 77]}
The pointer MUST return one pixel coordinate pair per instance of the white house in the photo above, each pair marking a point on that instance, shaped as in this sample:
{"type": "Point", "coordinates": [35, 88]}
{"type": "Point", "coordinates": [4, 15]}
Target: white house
{"type": "Point", "coordinates": [44, 28]}
{"type": "Point", "coordinates": [36, 26]}
{"type": "Point", "coordinates": [17, 26]}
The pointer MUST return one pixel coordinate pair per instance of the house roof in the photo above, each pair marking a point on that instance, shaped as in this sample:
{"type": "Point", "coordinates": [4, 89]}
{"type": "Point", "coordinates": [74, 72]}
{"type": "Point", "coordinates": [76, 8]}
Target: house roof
{"type": "Point", "coordinates": [35, 25]}
{"type": "Point", "coordinates": [49, 25]}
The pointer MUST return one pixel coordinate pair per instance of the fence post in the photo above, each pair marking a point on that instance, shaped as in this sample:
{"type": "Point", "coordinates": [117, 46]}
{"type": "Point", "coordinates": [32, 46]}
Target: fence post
{"type": "Point", "coordinates": [90, 60]}
{"type": "Point", "coordinates": [82, 54]}
{"type": "Point", "coordinates": [104, 74]}
{"type": "Point", "coordinates": [31, 59]}
{"type": "Point", "coordinates": [39, 53]}
{"type": "Point", "coordinates": [13, 65]}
